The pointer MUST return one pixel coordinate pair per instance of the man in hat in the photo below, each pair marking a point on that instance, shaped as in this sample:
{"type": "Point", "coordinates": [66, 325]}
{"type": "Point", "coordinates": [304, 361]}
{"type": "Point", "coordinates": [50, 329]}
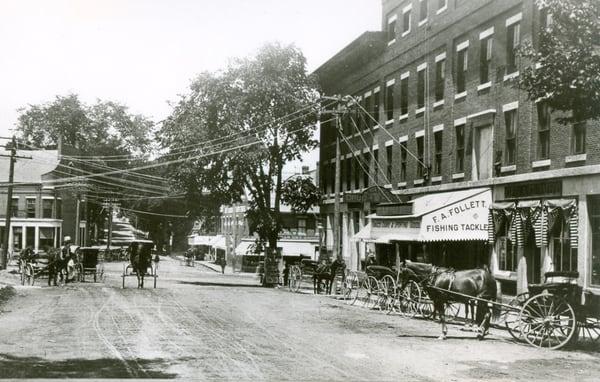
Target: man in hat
{"type": "Point", "coordinates": [64, 256]}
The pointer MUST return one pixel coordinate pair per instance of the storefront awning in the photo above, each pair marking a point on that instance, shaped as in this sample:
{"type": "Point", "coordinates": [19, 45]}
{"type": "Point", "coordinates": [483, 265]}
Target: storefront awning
{"type": "Point", "coordinates": [218, 241]}
{"type": "Point", "coordinates": [245, 248]}
{"type": "Point", "coordinates": [450, 216]}
{"type": "Point", "coordinates": [364, 234]}
{"type": "Point", "coordinates": [297, 248]}
{"type": "Point", "coordinates": [199, 240]}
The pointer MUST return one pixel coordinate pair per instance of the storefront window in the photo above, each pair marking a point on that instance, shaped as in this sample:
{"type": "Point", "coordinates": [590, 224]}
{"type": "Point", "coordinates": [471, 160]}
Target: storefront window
{"type": "Point", "coordinates": [594, 210]}
{"type": "Point", "coordinates": [47, 205]}
{"type": "Point", "coordinates": [46, 238]}
{"type": "Point", "coordinates": [563, 256]}
{"type": "Point", "coordinates": [507, 255]}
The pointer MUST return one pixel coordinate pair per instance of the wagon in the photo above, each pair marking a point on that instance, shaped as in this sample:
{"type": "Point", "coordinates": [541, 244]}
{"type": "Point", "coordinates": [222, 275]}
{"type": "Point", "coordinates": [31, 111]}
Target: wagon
{"type": "Point", "coordinates": [145, 249]}
{"type": "Point", "coordinates": [303, 272]}
{"type": "Point", "coordinates": [89, 263]}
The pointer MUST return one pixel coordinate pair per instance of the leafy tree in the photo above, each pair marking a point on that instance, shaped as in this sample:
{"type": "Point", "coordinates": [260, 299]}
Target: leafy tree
{"type": "Point", "coordinates": [239, 127]}
{"type": "Point", "coordinates": [300, 193]}
{"type": "Point", "coordinates": [565, 62]}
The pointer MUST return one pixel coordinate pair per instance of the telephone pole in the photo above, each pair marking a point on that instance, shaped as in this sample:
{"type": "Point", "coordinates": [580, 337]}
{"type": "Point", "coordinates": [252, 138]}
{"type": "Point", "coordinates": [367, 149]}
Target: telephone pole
{"type": "Point", "coordinates": [337, 186]}
{"type": "Point", "coordinates": [11, 174]}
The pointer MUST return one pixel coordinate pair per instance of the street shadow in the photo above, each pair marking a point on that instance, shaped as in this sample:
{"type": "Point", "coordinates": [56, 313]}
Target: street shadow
{"type": "Point", "coordinates": [448, 337]}
{"type": "Point", "coordinates": [220, 284]}
{"type": "Point", "coordinates": [36, 367]}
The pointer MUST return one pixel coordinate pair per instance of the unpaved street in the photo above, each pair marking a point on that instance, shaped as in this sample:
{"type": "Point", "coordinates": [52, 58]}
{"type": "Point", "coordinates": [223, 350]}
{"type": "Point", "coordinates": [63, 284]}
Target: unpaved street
{"type": "Point", "coordinates": [202, 325]}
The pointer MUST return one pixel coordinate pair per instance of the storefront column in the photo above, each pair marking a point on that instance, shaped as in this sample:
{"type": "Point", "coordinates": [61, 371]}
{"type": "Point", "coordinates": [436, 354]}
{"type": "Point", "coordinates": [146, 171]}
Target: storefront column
{"type": "Point", "coordinates": [521, 271]}
{"type": "Point", "coordinates": [584, 235]}
{"type": "Point", "coordinates": [346, 253]}
{"type": "Point", "coordinates": [329, 233]}
{"type": "Point", "coordinates": [36, 238]}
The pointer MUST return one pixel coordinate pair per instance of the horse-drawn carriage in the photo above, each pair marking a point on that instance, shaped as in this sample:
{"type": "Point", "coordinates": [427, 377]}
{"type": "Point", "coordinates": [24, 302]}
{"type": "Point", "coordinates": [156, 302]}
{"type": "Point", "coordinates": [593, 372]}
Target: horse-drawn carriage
{"type": "Point", "coordinates": [141, 262]}
{"type": "Point", "coordinates": [321, 274]}
{"type": "Point", "coordinates": [89, 262]}
{"type": "Point", "coordinates": [188, 258]}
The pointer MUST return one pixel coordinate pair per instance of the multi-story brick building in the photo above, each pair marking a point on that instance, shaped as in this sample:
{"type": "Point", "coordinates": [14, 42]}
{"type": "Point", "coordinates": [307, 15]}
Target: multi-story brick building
{"type": "Point", "coordinates": [43, 211]}
{"type": "Point", "coordinates": [438, 123]}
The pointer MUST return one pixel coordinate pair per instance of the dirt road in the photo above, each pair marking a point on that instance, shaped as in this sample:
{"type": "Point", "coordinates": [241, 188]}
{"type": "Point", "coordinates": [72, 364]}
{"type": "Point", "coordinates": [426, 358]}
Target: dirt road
{"type": "Point", "coordinates": [202, 325]}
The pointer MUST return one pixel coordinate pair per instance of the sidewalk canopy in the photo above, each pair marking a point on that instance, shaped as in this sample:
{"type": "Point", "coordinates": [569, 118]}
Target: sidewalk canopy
{"type": "Point", "coordinates": [297, 248]}
{"type": "Point", "coordinates": [449, 216]}
{"type": "Point", "coordinates": [218, 241]}
{"type": "Point", "coordinates": [199, 240]}
{"type": "Point", "coordinates": [245, 248]}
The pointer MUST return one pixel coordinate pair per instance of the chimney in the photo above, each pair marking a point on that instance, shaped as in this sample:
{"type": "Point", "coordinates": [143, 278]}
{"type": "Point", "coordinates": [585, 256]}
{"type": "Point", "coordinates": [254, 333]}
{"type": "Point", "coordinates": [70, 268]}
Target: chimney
{"type": "Point", "coordinates": [305, 170]}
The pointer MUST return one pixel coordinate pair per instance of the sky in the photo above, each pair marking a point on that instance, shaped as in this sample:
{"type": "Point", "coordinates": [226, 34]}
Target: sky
{"type": "Point", "coordinates": [143, 53]}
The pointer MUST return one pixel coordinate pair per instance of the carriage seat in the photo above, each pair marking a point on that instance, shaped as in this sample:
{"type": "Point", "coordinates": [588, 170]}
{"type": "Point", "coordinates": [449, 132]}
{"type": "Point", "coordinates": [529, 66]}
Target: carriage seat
{"type": "Point", "coordinates": [378, 271]}
{"type": "Point", "coordinates": [559, 283]}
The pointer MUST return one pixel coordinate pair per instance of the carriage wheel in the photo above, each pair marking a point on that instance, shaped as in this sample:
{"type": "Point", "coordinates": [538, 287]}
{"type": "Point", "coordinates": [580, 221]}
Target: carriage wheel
{"type": "Point", "coordinates": [125, 267]}
{"type": "Point", "coordinates": [351, 287]}
{"type": "Point", "coordinates": [412, 296]}
{"type": "Point", "coordinates": [79, 272]}
{"type": "Point", "coordinates": [511, 316]}
{"type": "Point", "coordinates": [372, 290]}
{"type": "Point", "coordinates": [388, 288]}
{"type": "Point", "coordinates": [29, 275]}
{"type": "Point", "coordinates": [547, 321]}
{"type": "Point", "coordinates": [295, 279]}
{"type": "Point", "coordinates": [589, 329]}
{"type": "Point", "coordinates": [22, 267]}
{"type": "Point", "coordinates": [451, 311]}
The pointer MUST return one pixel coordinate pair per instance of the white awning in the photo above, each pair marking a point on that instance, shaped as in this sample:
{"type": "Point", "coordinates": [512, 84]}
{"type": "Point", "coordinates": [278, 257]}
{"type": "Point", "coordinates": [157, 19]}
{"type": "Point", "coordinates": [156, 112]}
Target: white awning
{"type": "Point", "coordinates": [364, 234]}
{"type": "Point", "coordinates": [245, 248]}
{"type": "Point", "coordinates": [218, 241]}
{"type": "Point", "coordinates": [297, 248]}
{"type": "Point", "coordinates": [199, 240]}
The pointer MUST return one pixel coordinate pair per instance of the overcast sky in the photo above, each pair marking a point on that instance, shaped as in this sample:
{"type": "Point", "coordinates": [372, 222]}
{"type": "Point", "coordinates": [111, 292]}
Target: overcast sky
{"type": "Point", "coordinates": [144, 52]}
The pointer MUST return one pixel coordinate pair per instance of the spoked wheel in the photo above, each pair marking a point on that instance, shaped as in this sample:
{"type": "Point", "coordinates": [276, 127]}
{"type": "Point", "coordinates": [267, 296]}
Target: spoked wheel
{"type": "Point", "coordinates": [295, 279]}
{"type": "Point", "coordinates": [511, 316]}
{"type": "Point", "coordinates": [388, 289]}
{"type": "Point", "coordinates": [99, 275]}
{"type": "Point", "coordinates": [372, 292]}
{"type": "Point", "coordinates": [589, 329]}
{"type": "Point", "coordinates": [29, 275]}
{"type": "Point", "coordinates": [547, 321]}
{"type": "Point", "coordinates": [361, 292]}
{"type": "Point", "coordinates": [452, 310]}
{"type": "Point", "coordinates": [412, 296]}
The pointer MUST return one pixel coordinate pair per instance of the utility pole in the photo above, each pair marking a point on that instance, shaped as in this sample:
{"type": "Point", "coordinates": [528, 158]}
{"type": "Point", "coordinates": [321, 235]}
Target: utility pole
{"type": "Point", "coordinates": [336, 207]}
{"type": "Point", "coordinates": [109, 204]}
{"type": "Point", "coordinates": [11, 174]}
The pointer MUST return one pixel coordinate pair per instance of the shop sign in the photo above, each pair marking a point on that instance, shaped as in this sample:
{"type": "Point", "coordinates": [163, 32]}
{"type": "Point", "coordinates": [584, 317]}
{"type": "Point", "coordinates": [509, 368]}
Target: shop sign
{"type": "Point", "coordinates": [464, 220]}
{"type": "Point", "coordinates": [527, 190]}
{"type": "Point", "coordinates": [396, 223]}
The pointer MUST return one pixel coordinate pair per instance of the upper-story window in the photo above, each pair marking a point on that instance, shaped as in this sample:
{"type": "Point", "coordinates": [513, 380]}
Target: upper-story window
{"type": "Point", "coordinates": [58, 208]}
{"type": "Point", "coordinates": [348, 163]}
{"type": "Point", "coordinates": [374, 120]}
{"type": "Point", "coordinates": [510, 121]}
{"type": "Point", "coordinates": [462, 61]}
{"type": "Point", "coordinates": [368, 105]}
{"type": "Point", "coordinates": [391, 28]}
{"type": "Point", "coordinates": [30, 207]}
{"type": "Point", "coordinates": [486, 40]}
{"type": "Point", "coordinates": [423, 9]}
{"type": "Point", "coordinates": [513, 38]}
{"type": "Point", "coordinates": [437, 139]}
{"type": "Point", "coordinates": [376, 166]}
{"type": "Point", "coordinates": [366, 169]}
{"type": "Point", "coordinates": [578, 138]}
{"type": "Point", "coordinates": [389, 100]}
{"type": "Point", "coordinates": [421, 71]}
{"type": "Point", "coordinates": [357, 172]}
{"type": "Point", "coordinates": [403, 160]}
{"type": "Point", "coordinates": [544, 120]}
{"type": "Point", "coordinates": [420, 155]}
{"type": "Point", "coordinates": [406, 19]}
{"type": "Point", "coordinates": [404, 94]}
{"type": "Point", "coordinates": [47, 205]}
{"type": "Point", "coordinates": [14, 207]}
{"type": "Point", "coordinates": [459, 131]}
{"type": "Point", "coordinates": [388, 154]}
{"type": "Point", "coordinates": [440, 76]}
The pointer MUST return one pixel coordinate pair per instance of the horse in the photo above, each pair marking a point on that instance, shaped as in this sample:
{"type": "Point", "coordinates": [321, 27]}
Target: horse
{"type": "Point", "coordinates": [140, 258]}
{"type": "Point", "coordinates": [478, 283]}
{"type": "Point", "coordinates": [327, 272]}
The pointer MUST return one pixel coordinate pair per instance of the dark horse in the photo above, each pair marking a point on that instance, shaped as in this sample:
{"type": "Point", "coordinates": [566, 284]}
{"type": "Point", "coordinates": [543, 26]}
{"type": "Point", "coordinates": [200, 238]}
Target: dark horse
{"type": "Point", "coordinates": [446, 285]}
{"type": "Point", "coordinates": [327, 272]}
{"type": "Point", "coordinates": [140, 257]}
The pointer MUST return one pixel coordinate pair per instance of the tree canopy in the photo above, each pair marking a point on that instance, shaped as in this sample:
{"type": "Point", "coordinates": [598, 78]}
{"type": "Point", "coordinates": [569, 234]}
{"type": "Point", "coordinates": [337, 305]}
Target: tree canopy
{"type": "Point", "coordinates": [237, 128]}
{"type": "Point", "coordinates": [565, 61]}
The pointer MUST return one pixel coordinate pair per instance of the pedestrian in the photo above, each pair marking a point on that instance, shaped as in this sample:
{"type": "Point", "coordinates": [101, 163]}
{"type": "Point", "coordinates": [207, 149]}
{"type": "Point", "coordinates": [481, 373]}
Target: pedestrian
{"type": "Point", "coordinates": [223, 263]}
{"type": "Point", "coordinates": [286, 274]}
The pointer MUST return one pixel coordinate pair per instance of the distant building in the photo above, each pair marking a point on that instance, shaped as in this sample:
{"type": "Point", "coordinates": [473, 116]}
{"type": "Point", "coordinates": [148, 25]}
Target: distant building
{"type": "Point", "coordinates": [439, 130]}
{"type": "Point", "coordinates": [43, 212]}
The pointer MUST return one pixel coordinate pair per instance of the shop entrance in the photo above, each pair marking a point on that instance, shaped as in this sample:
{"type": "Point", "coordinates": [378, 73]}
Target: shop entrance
{"type": "Point", "coordinates": [533, 256]}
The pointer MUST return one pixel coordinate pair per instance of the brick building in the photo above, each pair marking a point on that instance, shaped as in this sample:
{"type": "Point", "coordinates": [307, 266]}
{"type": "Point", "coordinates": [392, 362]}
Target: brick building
{"type": "Point", "coordinates": [436, 124]}
{"type": "Point", "coordinates": [43, 212]}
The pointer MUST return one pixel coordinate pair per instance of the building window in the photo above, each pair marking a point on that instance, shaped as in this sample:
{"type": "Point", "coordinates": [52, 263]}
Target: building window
{"type": "Point", "coordinates": [357, 171]}
{"type": "Point", "coordinates": [437, 137]}
{"type": "Point", "coordinates": [388, 154]}
{"type": "Point", "coordinates": [366, 169]}
{"type": "Point", "coordinates": [462, 58]}
{"type": "Point", "coordinates": [421, 88]}
{"type": "Point", "coordinates": [403, 160]}
{"type": "Point", "coordinates": [507, 254]}
{"type": "Point", "coordinates": [389, 100]}
{"type": "Point", "coordinates": [460, 148]}
{"type": "Point", "coordinates": [485, 59]}
{"type": "Point", "coordinates": [375, 115]}
{"type": "Point", "coordinates": [579, 138]}
{"type": "Point", "coordinates": [423, 10]}
{"type": "Point", "coordinates": [302, 227]}
{"type": "Point", "coordinates": [442, 4]}
{"type": "Point", "coordinates": [420, 156]}
{"type": "Point", "coordinates": [356, 220]}
{"type": "Point", "coordinates": [348, 163]}
{"type": "Point", "coordinates": [512, 42]}
{"type": "Point", "coordinates": [440, 79]}
{"type": "Point", "coordinates": [510, 120]}
{"type": "Point", "coordinates": [366, 121]}
{"type": "Point", "coordinates": [406, 20]}
{"type": "Point", "coordinates": [14, 207]}
{"type": "Point", "coordinates": [332, 176]}
{"type": "Point", "coordinates": [31, 207]}
{"type": "Point", "coordinates": [324, 177]}
{"type": "Point", "coordinates": [404, 96]}
{"type": "Point", "coordinates": [47, 205]}
{"type": "Point", "coordinates": [391, 28]}
{"type": "Point", "coordinates": [543, 130]}
{"type": "Point", "coordinates": [563, 256]}
{"type": "Point", "coordinates": [46, 238]}
{"type": "Point", "coordinates": [376, 166]}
